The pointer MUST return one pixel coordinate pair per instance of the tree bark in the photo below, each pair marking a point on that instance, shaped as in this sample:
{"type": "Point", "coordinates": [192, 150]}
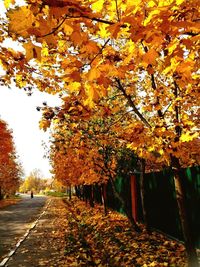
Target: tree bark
{"type": "Point", "coordinates": [103, 198]}
{"type": "Point", "coordinates": [124, 206]}
{"type": "Point", "coordinates": [91, 196]}
{"type": "Point", "coordinates": [189, 244]}
{"type": "Point", "coordinates": [1, 196]}
{"type": "Point", "coordinates": [133, 197]}
{"type": "Point", "coordinates": [70, 192]}
{"type": "Point", "coordinates": [143, 194]}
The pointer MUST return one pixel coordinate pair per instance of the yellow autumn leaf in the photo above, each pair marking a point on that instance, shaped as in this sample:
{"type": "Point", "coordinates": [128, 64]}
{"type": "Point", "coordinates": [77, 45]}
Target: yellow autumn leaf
{"type": "Point", "coordinates": [7, 3]}
{"type": "Point", "coordinates": [150, 57]}
{"type": "Point", "coordinates": [92, 95]}
{"type": "Point", "coordinates": [179, 2]}
{"type": "Point", "coordinates": [45, 50]}
{"type": "Point", "coordinates": [32, 51]}
{"type": "Point", "coordinates": [151, 15]}
{"type": "Point", "coordinates": [61, 46]}
{"type": "Point", "coordinates": [21, 20]}
{"type": "Point", "coordinates": [162, 3]}
{"type": "Point", "coordinates": [151, 3]}
{"type": "Point", "coordinates": [186, 137]}
{"type": "Point", "coordinates": [172, 47]}
{"type": "Point", "coordinates": [103, 31]}
{"type": "Point", "coordinates": [20, 81]}
{"type": "Point", "coordinates": [94, 73]}
{"type": "Point", "coordinates": [98, 5]}
{"type": "Point", "coordinates": [68, 29]}
{"type": "Point", "coordinates": [44, 124]}
{"type": "Point", "coordinates": [74, 86]}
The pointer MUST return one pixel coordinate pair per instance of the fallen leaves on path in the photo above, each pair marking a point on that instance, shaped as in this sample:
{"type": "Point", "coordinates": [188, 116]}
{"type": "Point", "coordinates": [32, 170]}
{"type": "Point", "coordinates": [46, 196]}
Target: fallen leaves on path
{"type": "Point", "coordinates": [93, 239]}
{"type": "Point", "coordinates": [45, 243]}
{"type": "Point", "coordinates": [8, 202]}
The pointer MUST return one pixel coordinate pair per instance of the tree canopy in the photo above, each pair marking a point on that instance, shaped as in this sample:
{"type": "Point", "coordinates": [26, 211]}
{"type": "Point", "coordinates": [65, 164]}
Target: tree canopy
{"type": "Point", "coordinates": [135, 63]}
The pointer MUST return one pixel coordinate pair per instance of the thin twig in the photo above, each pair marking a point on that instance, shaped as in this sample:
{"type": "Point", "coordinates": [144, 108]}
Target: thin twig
{"type": "Point", "coordinates": [114, 122]}
{"type": "Point", "coordinates": [99, 52]}
{"type": "Point", "coordinates": [117, 10]}
{"type": "Point", "coordinates": [55, 29]}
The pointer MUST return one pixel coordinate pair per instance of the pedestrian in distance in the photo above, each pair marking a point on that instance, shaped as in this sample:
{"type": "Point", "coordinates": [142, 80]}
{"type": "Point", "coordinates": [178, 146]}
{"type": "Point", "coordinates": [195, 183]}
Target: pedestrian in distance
{"type": "Point", "coordinates": [31, 194]}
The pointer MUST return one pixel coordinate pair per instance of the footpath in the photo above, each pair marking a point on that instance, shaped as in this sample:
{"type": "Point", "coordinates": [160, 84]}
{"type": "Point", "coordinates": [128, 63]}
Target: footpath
{"type": "Point", "coordinates": [71, 234]}
{"type": "Point", "coordinates": [44, 244]}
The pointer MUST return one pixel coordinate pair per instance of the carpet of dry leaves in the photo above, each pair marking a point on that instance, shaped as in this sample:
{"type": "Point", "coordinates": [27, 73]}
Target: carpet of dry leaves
{"type": "Point", "coordinates": [8, 202]}
{"type": "Point", "coordinates": [93, 239]}
{"type": "Point", "coordinates": [72, 234]}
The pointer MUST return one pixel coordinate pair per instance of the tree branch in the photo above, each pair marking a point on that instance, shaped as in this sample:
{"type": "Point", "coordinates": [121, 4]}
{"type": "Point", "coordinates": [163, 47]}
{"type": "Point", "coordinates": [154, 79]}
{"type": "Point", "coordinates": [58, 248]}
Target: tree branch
{"type": "Point", "coordinates": [99, 52]}
{"type": "Point", "coordinates": [191, 33]}
{"type": "Point", "coordinates": [92, 18]}
{"type": "Point", "coordinates": [131, 103]}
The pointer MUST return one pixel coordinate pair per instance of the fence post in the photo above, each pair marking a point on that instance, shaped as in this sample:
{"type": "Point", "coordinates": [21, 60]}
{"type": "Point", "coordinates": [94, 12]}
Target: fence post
{"type": "Point", "coordinates": [133, 197]}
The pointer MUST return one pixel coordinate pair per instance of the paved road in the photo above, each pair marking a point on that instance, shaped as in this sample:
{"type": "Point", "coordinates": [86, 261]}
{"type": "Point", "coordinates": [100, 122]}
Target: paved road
{"type": "Point", "coordinates": [16, 219]}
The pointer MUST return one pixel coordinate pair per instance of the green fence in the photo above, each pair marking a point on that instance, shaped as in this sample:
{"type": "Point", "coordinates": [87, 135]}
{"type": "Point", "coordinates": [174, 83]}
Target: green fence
{"type": "Point", "coordinates": [162, 210]}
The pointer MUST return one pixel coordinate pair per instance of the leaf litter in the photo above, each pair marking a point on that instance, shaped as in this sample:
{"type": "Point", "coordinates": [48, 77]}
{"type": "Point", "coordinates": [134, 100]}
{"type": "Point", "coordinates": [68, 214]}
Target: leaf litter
{"type": "Point", "coordinates": [93, 239]}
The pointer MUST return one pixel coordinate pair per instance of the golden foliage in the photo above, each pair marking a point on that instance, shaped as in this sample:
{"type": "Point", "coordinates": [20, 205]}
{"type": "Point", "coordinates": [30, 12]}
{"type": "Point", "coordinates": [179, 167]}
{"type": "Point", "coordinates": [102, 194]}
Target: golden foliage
{"type": "Point", "coordinates": [144, 55]}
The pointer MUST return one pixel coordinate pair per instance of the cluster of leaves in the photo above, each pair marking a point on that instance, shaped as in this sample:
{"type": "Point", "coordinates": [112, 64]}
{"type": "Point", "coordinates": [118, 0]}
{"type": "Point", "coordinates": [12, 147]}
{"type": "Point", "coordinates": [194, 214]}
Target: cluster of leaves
{"type": "Point", "coordinates": [93, 239]}
{"type": "Point", "coordinates": [10, 169]}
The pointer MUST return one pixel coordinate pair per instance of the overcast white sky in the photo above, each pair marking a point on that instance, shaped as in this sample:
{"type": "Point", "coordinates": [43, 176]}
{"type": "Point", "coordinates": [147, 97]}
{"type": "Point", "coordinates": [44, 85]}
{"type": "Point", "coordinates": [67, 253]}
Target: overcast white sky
{"type": "Point", "coordinates": [19, 111]}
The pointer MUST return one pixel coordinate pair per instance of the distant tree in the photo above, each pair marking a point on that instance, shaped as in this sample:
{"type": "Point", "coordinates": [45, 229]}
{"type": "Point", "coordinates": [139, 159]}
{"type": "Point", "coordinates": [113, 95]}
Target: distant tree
{"type": "Point", "coordinates": [10, 168]}
{"type": "Point", "coordinates": [34, 182]}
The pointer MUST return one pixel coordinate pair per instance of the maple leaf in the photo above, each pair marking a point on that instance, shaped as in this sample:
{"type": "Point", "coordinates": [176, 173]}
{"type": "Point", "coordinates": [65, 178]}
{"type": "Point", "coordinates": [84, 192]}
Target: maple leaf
{"type": "Point", "coordinates": [94, 73]}
{"type": "Point", "coordinates": [98, 5]}
{"type": "Point", "coordinates": [44, 124]}
{"type": "Point", "coordinates": [150, 57]}
{"type": "Point", "coordinates": [22, 20]}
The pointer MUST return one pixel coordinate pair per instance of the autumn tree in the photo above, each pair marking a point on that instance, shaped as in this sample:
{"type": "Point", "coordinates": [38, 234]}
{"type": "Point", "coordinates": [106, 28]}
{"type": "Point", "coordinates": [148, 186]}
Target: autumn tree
{"type": "Point", "coordinates": [33, 182]}
{"type": "Point", "coordinates": [147, 51]}
{"type": "Point", "coordinates": [86, 148]}
{"type": "Point", "coordinates": [10, 169]}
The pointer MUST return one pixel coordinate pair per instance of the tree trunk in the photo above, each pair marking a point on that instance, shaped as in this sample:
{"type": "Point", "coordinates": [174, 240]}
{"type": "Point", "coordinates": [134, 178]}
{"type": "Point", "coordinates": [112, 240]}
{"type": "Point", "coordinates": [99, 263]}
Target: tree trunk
{"type": "Point", "coordinates": [189, 244]}
{"type": "Point", "coordinates": [124, 206]}
{"type": "Point", "coordinates": [143, 194]}
{"type": "Point", "coordinates": [70, 192]}
{"type": "Point", "coordinates": [133, 197]}
{"type": "Point", "coordinates": [91, 196]}
{"type": "Point", "coordinates": [103, 198]}
{"type": "Point", "coordinates": [1, 196]}
{"type": "Point", "coordinates": [77, 191]}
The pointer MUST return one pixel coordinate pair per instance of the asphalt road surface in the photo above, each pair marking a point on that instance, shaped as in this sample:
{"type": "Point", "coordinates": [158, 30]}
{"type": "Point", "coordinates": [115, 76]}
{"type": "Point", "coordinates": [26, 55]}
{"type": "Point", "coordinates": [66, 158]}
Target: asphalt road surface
{"type": "Point", "coordinates": [15, 220]}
